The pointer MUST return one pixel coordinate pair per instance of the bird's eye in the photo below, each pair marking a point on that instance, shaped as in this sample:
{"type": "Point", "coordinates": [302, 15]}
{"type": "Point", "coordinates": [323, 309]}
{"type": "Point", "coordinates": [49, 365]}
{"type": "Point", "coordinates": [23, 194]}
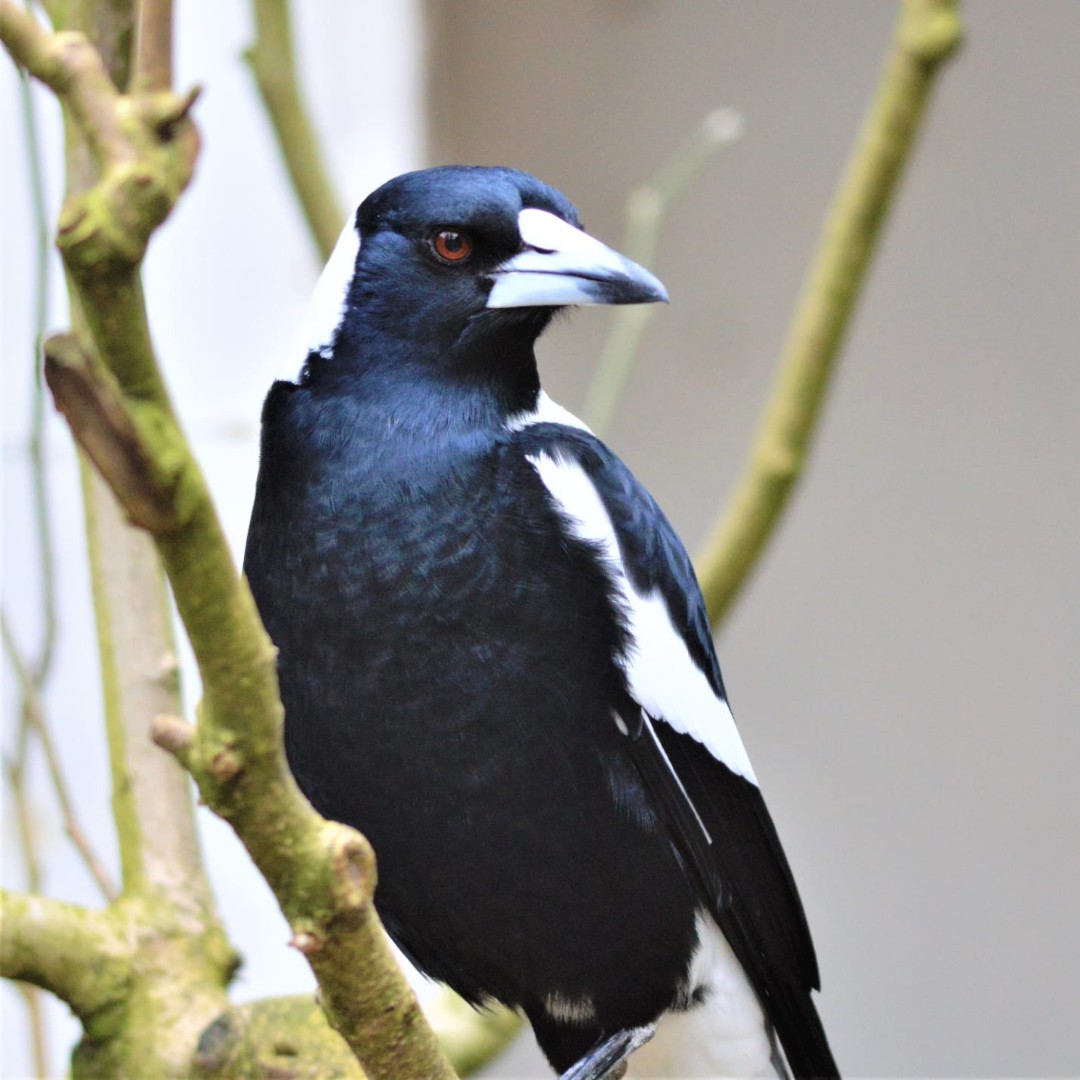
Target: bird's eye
{"type": "Point", "coordinates": [451, 245]}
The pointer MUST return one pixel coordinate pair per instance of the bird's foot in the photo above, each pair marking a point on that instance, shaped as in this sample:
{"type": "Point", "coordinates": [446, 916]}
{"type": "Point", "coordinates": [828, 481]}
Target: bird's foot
{"type": "Point", "coordinates": [607, 1060]}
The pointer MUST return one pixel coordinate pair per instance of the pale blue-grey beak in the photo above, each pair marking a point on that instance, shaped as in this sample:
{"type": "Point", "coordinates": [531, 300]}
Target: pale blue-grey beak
{"type": "Point", "coordinates": [562, 265]}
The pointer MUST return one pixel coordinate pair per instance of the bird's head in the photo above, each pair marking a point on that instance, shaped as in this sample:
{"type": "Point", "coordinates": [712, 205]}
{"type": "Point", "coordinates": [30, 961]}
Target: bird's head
{"type": "Point", "coordinates": [461, 267]}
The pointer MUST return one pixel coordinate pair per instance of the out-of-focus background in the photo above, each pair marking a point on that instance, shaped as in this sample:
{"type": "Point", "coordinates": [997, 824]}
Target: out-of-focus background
{"type": "Point", "coordinates": [905, 665]}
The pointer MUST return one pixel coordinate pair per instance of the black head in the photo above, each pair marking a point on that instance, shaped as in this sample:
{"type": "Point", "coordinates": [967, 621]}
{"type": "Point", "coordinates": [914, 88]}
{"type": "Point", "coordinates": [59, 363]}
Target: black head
{"type": "Point", "coordinates": [461, 268]}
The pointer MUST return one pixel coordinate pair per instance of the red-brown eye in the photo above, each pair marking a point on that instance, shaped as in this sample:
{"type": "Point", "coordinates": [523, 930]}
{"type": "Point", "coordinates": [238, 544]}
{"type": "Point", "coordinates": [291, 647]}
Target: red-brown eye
{"type": "Point", "coordinates": [452, 246]}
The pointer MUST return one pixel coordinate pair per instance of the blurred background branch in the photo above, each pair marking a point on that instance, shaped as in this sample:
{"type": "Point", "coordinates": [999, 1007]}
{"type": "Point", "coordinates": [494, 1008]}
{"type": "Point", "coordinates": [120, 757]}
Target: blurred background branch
{"type": "Point", "coordinates": [273, 64]}
{"type": "Point", "coordinates": [927, 34]}
{"type": "Point", "coordinates": [646, 208]}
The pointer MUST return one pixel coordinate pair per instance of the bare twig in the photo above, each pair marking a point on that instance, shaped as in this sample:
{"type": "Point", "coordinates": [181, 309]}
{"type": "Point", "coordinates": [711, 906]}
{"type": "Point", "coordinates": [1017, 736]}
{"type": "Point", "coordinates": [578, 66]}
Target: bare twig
{"type": "Point", "coordinates": [42, 665]}
{"type": "Point", "coordinates": [15, 769]}
{"type": "Point", "coordinates": [274, 66]}
{"type": "Point", "coordinates": [153, 45]}
{"type": "Point", "coordinates": [646, 208]}
{"type": "Point", "coordinates": [35, 714]}
{"type": "Point", "coordinates": [928, 33]}
{"type": "Point", "coordinates": [36, 443]}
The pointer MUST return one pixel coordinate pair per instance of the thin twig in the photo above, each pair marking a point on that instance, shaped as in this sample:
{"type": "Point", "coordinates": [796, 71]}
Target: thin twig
{"type": "Point", "coordinates": [16, 772]}
{"type": "Point", "coordinates": [928, 33]}
{"type": "Point", "coordinates": [39, 1037]}
{"type": "Point", "coordinates": [273, 63]}
{"type": "Point", "coordinates": [36, 715]}
{"type": "Point", "coordinates": [153, 45]}
{"type": "Point", "coordinates": [646, 208]}
{"type": "Point", "coordinates": [16, 767]}
{"type": "Point", "coordinates": [36, 442]}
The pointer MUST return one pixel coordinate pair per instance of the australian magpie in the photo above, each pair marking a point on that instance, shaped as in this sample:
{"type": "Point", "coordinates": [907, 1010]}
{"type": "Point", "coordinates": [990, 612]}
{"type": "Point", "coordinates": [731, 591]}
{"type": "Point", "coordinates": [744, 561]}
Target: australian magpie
{"type": "Point", "coordinates": [495, 659]}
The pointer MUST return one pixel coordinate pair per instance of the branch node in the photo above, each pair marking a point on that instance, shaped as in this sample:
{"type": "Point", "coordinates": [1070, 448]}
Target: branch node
{"type": "Point", "coordinates": [931, 33]}
{"type": "Point", "coordinates": [225, 766]}
{"type": "Point", "coordinates": [306, 942]}
{"type": "Point", "coordinates": [103, 426]}
{"type": "Point", "coordinates": [352, 866]}
{"type": "Point", "coordinates": [174, 112]}
{"type": "Point", "coordinates": [173, 733]}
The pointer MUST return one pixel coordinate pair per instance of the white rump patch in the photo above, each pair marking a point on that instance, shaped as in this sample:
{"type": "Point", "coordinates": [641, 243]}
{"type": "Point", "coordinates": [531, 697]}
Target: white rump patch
{"type": "Point", "coordinates": [546, 412]}
{"type": "Point", "coordinates": [725, 1035]}
{"type": "Point", "coordinates": [327, 305]}
{"type": "Point", "coordinates": [570, 1010]}
{"type": "Point", "coordinates": [663, 678]}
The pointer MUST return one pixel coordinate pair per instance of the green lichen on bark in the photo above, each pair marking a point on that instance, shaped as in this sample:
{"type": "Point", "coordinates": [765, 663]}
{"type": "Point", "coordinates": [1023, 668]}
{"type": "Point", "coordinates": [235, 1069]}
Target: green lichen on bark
{"type": "Point", "coordinates": [274, 1039]}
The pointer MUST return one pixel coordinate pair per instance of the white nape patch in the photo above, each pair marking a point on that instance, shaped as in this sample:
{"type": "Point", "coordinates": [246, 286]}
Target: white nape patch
{"type": "Point", "coordinates": [570, 1010]}
{"type": "Point", "coordinates": [546, 412]}
{"type": "Point", "coordinates": [725, 1035]}
{"type": "Point", "coordinates": [663, 678]}
{"type": "Point", "coordinates": [327, 305]}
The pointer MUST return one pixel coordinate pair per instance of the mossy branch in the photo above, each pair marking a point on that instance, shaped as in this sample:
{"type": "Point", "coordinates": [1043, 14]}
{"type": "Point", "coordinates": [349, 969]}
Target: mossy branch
{"type": "Point", "coordinates": [274, 67]}
{"type": "Point", "coordinates": [322, 873]}
{"type": "Point", "coordinates": [928, 33]}
{"type": "Point", "coordinates": [275, 1037]}
{"type": "Point", "coordinates": [81, 956]}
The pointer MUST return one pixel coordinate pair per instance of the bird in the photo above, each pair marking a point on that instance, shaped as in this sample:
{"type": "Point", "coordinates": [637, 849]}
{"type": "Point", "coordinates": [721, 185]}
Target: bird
{"type": "Point", "coordinates": [496, 662]}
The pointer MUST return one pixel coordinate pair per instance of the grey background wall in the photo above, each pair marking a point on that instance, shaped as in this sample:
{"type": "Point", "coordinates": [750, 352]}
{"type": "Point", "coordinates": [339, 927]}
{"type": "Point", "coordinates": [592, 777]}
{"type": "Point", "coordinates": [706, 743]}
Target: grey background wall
{"type": "Point", "coordinates": [905, 664]}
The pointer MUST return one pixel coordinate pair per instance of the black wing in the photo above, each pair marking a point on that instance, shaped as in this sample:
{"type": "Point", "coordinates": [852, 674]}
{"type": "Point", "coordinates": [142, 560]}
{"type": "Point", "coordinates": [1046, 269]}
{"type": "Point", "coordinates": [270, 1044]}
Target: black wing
{"type": "Point", "coordinates": [717, 817]}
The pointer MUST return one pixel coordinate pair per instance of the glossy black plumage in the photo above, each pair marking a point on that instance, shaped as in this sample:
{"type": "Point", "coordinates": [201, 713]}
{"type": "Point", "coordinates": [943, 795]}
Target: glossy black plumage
{"type": "Point", "coordinates": [453, 656]}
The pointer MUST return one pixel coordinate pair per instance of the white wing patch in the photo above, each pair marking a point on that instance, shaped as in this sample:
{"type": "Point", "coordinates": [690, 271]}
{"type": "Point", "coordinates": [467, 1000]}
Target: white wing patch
{"type": "Point", "coordinates": [662, 677]}
{"type": "Point", "coordinates": [327, 305]}
{"type": "Point", "coordinates": [545, 412]}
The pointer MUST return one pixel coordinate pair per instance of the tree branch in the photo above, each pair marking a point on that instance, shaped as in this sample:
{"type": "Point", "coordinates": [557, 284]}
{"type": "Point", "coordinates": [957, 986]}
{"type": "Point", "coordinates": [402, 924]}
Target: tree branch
{"type": "Point", "coordinates": [275, 1037]}
{"type": "Point", "coordinates": [118, 188]}
{"type": "Point", "coordinates": [470, 1038]}
{"type": "Point", "coordinates": [79, 955]}
{"type": "Point", "coordinates": [928, 33]}
{"type": "Point", "coordinates": [35, 718]}
{"type": "Point", "coordinates": [72, 68]}
{"type": "Point", "coordinates": [274, 67]}
{"type": "Point", "coordinates": [322, 873]}
{"type": "Point", "coordinates": [103, 426]}
{"type": "Point", "coordinates": [153, 45]}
